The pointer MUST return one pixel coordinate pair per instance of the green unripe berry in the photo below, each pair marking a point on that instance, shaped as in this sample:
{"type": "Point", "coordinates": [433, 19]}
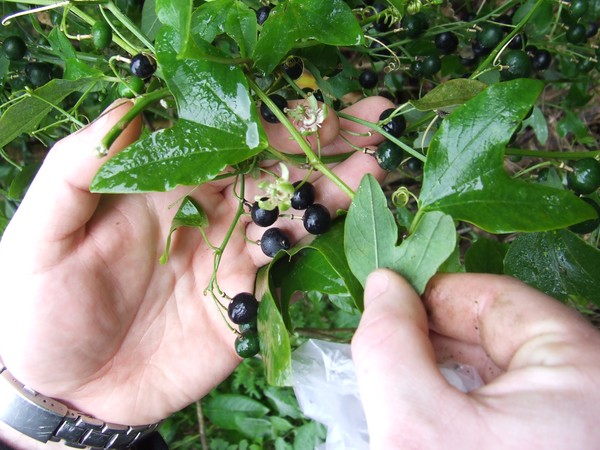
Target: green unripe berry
{"type": "Point", "coordinates": [101, 35]}
{"type": "Point", "coordinates": [131, 89]}
{"type": "Point", "coordinates": [578, 8]}
{"type": "Point", "coordinates": [585, 176]}
{"type": "Point", "coordinates": [576, 34]}
{"type": "Point", "coordinates": [14, 48]}
{"type": "Point", "coordinates": [490, 35]}
{"type": "Point", "coordinates": [247, 344]}
{"type": "Point", "coordinates": [518, 65]}
{"type": "Point", "coordinates": [389, 155]}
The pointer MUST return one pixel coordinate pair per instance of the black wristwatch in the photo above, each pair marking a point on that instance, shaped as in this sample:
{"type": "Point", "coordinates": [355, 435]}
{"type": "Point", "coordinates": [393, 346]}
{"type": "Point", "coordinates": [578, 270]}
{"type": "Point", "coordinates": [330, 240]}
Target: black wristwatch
{"type": "Point", "coordinates": [46, 419]}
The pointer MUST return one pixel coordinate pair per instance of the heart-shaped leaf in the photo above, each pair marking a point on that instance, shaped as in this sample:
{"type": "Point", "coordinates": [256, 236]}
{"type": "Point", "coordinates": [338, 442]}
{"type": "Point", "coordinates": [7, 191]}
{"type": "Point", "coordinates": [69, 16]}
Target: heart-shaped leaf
{"type": "Point", "coordinates": [464, 174]}
{"type": "Point", "coordinates": [177, 14]}
{"type": "Point", "coordinates": [329, 22]}
{"type": "Point", "coordinates": [371, 237]}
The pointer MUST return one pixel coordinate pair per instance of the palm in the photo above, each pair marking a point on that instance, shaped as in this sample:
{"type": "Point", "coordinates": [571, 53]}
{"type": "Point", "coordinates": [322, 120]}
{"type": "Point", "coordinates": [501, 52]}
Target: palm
{"type": "Point", "coordinates": [125, 337]}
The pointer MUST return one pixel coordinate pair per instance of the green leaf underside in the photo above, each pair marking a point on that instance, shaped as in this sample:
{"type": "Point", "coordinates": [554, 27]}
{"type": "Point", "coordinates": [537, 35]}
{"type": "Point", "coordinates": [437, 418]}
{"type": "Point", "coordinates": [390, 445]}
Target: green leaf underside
{"type": "Point", "coordinates": [558, 263]}
{"type": "Point", "coordinates": [371, 238]}
{"type": "Point", "coordinates": [275, 347]}
{"type": "Point", "coordinates": [329, 22]}
{"type": "Point", "coordinates": [464, 174]}
{"type": "Point", "coordinates": [317, 266]}
{"type": "Point", "coordinates": [218, 126]}
{"type": "Point", "coordinates": [26, 114]}
{"type": "Point", "coordinates": [451, 93]}
{"type": "Point", "coordinates": [189, 214]}
{"type": "Point", "coordinates": [231, 17]}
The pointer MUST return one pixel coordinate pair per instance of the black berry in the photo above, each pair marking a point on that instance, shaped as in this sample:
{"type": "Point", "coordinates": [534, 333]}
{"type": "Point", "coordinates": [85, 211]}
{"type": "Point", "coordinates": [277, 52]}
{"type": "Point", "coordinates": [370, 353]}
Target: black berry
{"type": "Point", "coordinates": [316, 219]}
{"type": "Point", "coordinates": [368, 79]}
{"type": "Point", "coordinates": [242, 308]}
{"type": "Point", "coordinates": [541, 59]}
{"type": "Point", "coordinates": [479, 49]}
{"type": "Point", "coordinates": [293, 67]}
{"type": "Point", "coordinates": [446, 42]}
{"type": "Point", "coordinates": [38, 73]}
{"type": "Point", "coordinates": [263, 217]}
{"type": "Point", "coordinates": [414, 25]}
{"type": "Point", "coordinates": [262, 14]}
{"type": "Point", "coordinates": [304, 195]}
{"type": "Point", "coordinates": [142, 65]}
{"type": "Point", "coordinates": [389, 155]}
{"type": "Point", "coordinates": [14, 48]}
{"type": "Point", "coordinates": [518, 41]}
{"type": "Point", "coordinates": [273, 240]}
{"type": "Point", "coordinates": [247, 344]}
{"type": "Point", "coordinates": [396, 126]}
{"type": "Point", "coordinates": [266, 112]}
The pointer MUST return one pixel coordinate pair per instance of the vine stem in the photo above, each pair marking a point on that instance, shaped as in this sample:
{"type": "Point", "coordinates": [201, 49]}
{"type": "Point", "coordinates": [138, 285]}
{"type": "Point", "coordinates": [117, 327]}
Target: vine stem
{"type": "Point", "coordinates": [492, 56]}
{"type": "Point", "coordinates": [139, 104]}
{"type": "Point", "coordinates": [313, 159]}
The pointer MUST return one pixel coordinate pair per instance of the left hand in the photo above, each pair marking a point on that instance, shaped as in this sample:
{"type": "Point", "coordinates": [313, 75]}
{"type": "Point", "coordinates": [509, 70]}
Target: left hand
{"type": "Point", "coordinates": [88, 315]}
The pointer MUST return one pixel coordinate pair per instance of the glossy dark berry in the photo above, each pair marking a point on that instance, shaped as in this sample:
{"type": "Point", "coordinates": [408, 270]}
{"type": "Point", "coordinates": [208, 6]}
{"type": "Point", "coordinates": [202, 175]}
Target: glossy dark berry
{"type": "Point", "coordinates": [273, 240]}
{"type": "Point", "coordinates": [242, 308]}
{"type": "Point", "coordinates": [142, 65]}
{"type": "Point", "coordinates": [585, 176]}
{"type": "Point", "coordinates": [415, 25]}
{"type": "Point", "coordinates": [293, 67]}
{"type": "Point", "coordinates": [389, 155]}
{"type": "Point", "coordinates": [414, 165]}
{"type": "Point", "coordinates": [585, 65]}
{"type": "Point", "coordinates": [541, 59]}
{"type": "Point", "coordinates": [396, 126]}
{"type": "Point", "coordinates": [576, 34]}
{"type": "Point", "coordinates": [587, 226]}
{"type": "Point", "coordinates": [262, 14]}
{"type": "Point", "coordinates": [316, 219]}
{"type": "Point", "coordinates": [247, 344]}
{"type": "Point", "coordinates": [505, 21]}
{"type": "Point", "coordinates": [101, 35]}
{"type": "Point", "coordinates": [479, 49]}
{"type": "Point", "coordinates": [380, 25]}
{"type": "Point", "coordinates": [446, 42]}
{"type": "Point", "coordinates": [14, 48]}
{"type": "Point", "coordinates": [266, 112]}
{"type": "Point", "coordinates": [518, 41]}
{"type": "Point", "coordinates": [243, 327]}
{"type": "Point", "coordinates": [591, 30]}
{"type": "Point", "coordinates": [578, 8]}
{"type": "Point", "coordinates": [490, 35]}
{"type": "Point", "coordinates": [304, 195]}
{"type": "Point", "coordinates": [38, 73]}
{"type": "Point", "coordinates": [263, 217]}
{"type": "Point", "coordinates": [518, 65]}
{"type": "Point", "coordinates": [430, 65]}
{"type": "Point", "coordinates": [368, 79]}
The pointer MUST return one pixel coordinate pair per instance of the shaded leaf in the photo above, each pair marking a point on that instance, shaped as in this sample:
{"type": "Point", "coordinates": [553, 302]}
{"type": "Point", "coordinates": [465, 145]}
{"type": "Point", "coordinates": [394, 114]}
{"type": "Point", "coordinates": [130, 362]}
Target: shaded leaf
{"type": "Point", "coordinates": [150, 23]}
{"type": "Point", "coordinates": [293, 21]}
{"type": "Point", "coordinates": [559, 263]}
{"type": "Point", "coordinates": [464, 174]}
{"type": "Point", "coordinates": [189, 214]}
{"type": "Point", "coordinates": [486, 256]}
{"type": "Point", "coordinates": [371, 237]}
{"type": "Point", "coordinates": [225, 410]}
{"type": "Point", "coordinates": [451, 93]}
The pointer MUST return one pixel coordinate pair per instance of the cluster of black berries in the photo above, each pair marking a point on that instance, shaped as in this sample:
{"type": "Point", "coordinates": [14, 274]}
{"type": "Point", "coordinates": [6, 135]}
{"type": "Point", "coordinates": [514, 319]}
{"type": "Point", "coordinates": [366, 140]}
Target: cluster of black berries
{"type": "Point", "coordinates": [388, 154]}
{"type": "Point", "coordinates": [243, 311]}
{"type": "Point", "coordinates": [316, 218]}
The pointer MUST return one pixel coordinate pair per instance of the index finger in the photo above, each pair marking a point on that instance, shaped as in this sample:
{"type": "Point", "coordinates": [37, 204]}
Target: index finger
{"type": "Point", "coordinates": [515, 324]}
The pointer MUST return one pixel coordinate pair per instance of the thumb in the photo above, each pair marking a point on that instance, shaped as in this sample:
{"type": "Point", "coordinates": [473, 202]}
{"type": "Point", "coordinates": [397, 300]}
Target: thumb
{"type": "Point", "coordinates": [60, 191]}
{"type": "Point", "coordinates": [395, 363]}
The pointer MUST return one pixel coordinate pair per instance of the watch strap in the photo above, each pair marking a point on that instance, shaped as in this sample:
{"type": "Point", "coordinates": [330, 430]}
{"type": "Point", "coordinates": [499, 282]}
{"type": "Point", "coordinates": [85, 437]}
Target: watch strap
{"type": "Point", "coordinates": [46, 419]}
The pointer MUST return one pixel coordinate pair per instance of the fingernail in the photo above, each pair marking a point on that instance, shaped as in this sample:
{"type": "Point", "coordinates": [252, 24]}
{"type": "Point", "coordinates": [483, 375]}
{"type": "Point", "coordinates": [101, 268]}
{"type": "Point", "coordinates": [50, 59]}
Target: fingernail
{"type": "Point", "coordinates": [377, 284]}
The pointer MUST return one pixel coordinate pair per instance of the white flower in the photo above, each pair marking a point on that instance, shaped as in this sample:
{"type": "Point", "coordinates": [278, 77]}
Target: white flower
{"type": "Point", "coordinates": [309, 117]}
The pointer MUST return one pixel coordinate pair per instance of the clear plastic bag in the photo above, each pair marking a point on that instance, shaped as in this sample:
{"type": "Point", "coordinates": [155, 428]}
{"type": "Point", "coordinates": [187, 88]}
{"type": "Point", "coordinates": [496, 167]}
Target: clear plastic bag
{"type": "Point", "coordinates": [325, 384]}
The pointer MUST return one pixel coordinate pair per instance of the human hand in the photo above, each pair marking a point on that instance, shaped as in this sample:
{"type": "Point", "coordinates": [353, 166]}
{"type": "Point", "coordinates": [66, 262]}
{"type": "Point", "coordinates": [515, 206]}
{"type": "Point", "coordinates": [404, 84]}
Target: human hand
{"type": "Point", "coordinates": [539, 358]}
{"type": "Point", "coordinates": [89, 316]}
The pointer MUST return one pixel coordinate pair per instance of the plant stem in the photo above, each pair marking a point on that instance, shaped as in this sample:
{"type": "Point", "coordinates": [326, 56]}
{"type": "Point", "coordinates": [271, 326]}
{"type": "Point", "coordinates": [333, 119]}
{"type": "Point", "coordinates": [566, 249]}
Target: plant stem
{"type": "Point", "coordinates": [129, 25]}
{"type": "Point", "coordinates": [313, 159]}
{"type": "Point", "coordinates": [139, 104]}
{"type": "Point", "coordinates": [201, 430]}
{"type": "Point", "coordinates": [396, 141]}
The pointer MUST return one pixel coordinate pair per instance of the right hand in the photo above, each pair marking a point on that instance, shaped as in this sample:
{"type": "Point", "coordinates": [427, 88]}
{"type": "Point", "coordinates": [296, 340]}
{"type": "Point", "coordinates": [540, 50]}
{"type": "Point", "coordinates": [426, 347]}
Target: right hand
{"type": "Point", "coordinates": [540, 361]}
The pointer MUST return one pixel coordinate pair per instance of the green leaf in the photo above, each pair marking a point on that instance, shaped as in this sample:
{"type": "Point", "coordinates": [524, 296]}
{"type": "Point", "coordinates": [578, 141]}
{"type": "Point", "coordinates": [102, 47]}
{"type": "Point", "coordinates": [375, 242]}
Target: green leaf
{"type": "Point", "coordinates": [371, 235]}
{"type": "Point", "coordinates": [451, 93]}
{"type": "Point", "coordinates": [464, 174]}
{"type": "Point", "coordinates": [538, 123]}
{"type": "Point", "coordinates": [76, 70]}
{"type": "Point", "coordinates": [486, 256]}
{"type": "Point", "coordinates": [558, 263]}
{"type": "Point", "coordinates": [61, 46]}
{"type": "Point", "coordinates": [275, 347]}
{"type": "Point", "coordinates": [571, 124]}
{"type": "Point", "coordinates": [178, 15]}
{"type": "Point", "coordinates": [318, 266]}
{"type": "Point", "coordinates": [218, 126]}
{"type": "Point", "coordinates": [26, 114]}
{"type": "Point", "coordinates": [231, 17]}
{"type": "Point", "coordinates": [150, 23]}
{"type": "Point", "coordinates": [224, 410]}
{"type": "Point", "coordinates": [299, 21]}
{"type": "Point", "coordinates": [22, 180]}
{"type": "Point", "coordinates": [189, 214]}
{"type": "Point", "coordinates": [284, 401]}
